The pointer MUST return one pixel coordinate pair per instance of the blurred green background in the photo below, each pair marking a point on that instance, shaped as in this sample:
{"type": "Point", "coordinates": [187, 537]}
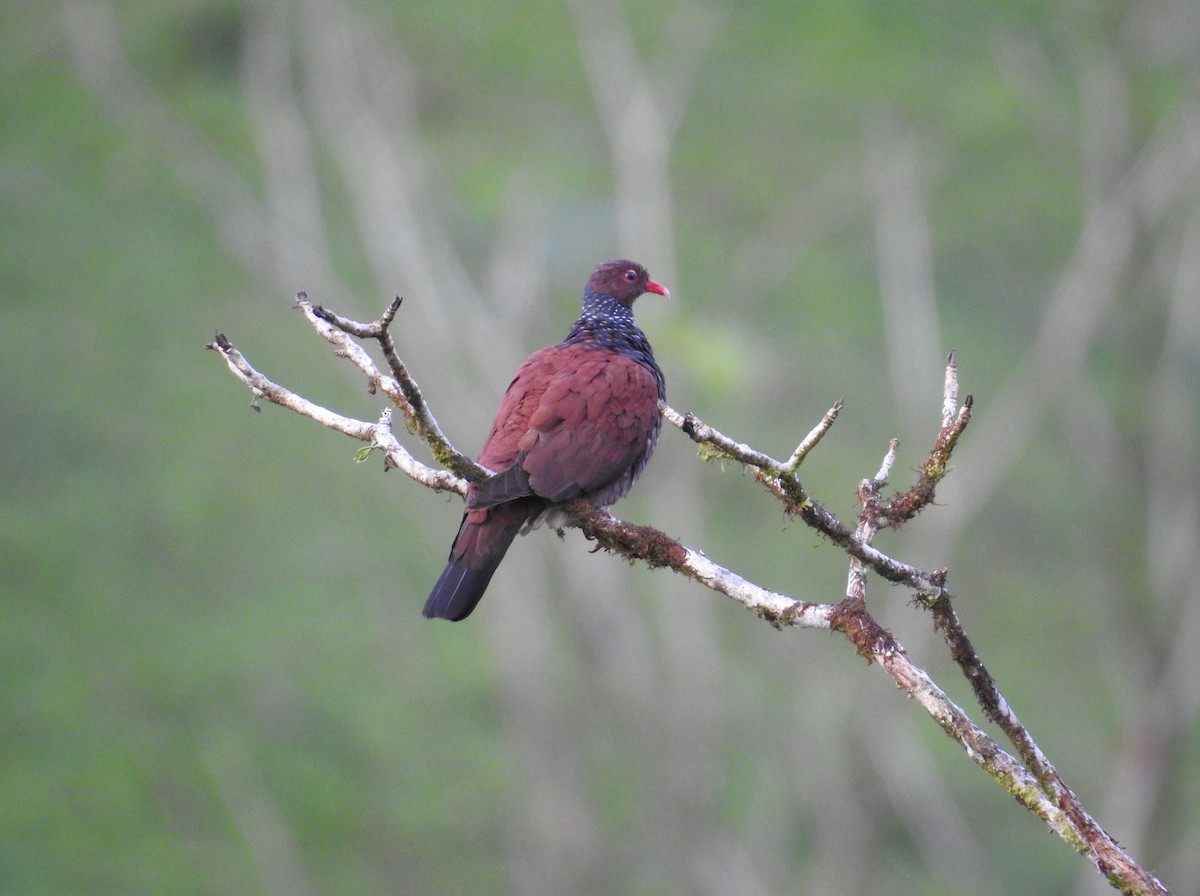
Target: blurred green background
{"type": "Point", "coordinates": [215, 675]}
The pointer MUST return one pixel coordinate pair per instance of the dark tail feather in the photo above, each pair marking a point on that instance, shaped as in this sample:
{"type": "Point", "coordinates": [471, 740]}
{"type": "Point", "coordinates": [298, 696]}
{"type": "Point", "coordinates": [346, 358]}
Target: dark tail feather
{"type": "Point", "coordinates": [478, 549]}
{"type": "Point", "coordinates": [458, 590]}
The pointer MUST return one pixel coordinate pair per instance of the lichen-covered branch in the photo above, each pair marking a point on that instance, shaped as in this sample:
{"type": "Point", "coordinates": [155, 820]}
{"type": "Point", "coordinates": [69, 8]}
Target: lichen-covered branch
{"type": "Point", "coordinates": [377, 435]}
{"type": "Point", "coordinates": [1032, 780]}
{"type": "Point", "coordinates": [400, 387]}
{"type": "Point", "coordinates": [633, 541]}
{"type": "Point", "coordinates": [780, 480]}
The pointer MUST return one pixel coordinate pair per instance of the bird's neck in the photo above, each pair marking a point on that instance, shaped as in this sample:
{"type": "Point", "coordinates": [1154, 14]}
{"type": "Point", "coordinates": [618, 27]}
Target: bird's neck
{"type": "Point", "coordinates": [603, 310]}
{"type": "Point", "coordinates": [607, 324]}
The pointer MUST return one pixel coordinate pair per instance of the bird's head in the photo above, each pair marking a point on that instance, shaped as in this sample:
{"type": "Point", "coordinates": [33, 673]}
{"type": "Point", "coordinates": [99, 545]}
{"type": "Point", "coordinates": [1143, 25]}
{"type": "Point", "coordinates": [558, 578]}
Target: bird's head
{"type": "Point", "coordinates": [624, 281]}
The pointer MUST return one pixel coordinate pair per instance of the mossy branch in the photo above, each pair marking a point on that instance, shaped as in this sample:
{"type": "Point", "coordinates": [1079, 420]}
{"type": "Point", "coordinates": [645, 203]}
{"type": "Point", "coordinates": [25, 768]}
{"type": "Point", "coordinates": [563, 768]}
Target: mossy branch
{"type": "Point", "coordinates": [1032, 780]}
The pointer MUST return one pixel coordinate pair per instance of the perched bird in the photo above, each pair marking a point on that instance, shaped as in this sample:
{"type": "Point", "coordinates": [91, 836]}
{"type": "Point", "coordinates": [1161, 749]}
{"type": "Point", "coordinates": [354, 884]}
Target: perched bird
{"type": "Point", "coordinates": [578, 420]}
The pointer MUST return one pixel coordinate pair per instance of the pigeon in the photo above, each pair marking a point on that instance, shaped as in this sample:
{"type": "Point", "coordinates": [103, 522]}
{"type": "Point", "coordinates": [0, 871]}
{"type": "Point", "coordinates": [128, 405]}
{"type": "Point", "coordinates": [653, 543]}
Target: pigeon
{"type": "Point", "coordinates": [579, 420]}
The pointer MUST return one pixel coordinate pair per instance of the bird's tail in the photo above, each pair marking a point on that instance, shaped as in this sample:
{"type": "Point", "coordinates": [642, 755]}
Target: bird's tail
{"type": "Point", "coordinates": [482, 541]}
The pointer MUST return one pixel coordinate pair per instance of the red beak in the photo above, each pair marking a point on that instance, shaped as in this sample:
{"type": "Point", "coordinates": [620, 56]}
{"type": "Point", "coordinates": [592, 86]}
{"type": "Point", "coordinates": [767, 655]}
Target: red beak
{"type": "Point", "coordinates": [651, 286]}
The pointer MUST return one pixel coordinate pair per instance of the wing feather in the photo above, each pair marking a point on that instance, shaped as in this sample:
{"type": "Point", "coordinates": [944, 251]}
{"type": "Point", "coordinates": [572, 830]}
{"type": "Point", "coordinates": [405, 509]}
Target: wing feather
{"type": "Point", "coordinates": [575, 422]}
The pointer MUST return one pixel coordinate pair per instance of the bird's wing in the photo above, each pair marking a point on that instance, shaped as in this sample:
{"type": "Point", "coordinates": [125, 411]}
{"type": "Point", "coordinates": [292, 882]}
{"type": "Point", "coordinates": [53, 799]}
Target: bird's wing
{"type": "Point", "coordinates": [500, 449]}
{"type": "Point", "coordinates": [592, 426]}
{"type": "Point", "coordinates": [572, 422]}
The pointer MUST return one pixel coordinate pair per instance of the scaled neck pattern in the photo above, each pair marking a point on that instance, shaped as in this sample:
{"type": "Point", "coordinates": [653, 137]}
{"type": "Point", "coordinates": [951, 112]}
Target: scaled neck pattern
{"type": "Point", "coordinates": [607, 324]}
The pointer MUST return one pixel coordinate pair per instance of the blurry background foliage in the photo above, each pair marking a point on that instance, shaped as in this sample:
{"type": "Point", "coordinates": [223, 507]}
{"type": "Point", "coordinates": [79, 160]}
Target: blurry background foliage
{"type": "Point", "coordinates": [215, 676]}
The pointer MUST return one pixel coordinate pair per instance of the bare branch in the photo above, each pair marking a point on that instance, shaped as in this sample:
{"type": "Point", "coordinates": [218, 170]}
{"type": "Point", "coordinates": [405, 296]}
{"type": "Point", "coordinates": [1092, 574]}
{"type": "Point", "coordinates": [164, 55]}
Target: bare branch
{"type": "Point", "coordinates": [868, 524]}
{"type": "Point", "coordinates": [378, 434]}
{"type": "Point", "coordinates": [261, 387]}
{"type": "Point", "coordinates": [726, 448]}
{"type": "Point", "coordinates": [904, 258]}
{"type": "Point", "coordinates": [780, 480]}
{"type": "Point", "coordinates": [905, 506]}
{"type": "Point", "coordinates": [1036, 784]}
{"type": "Point", "coordinates": [1137, 196]}
{"type": "Point", "coordinates": [658, 550]}
{"type": "Point", "coordinates": [950, 391]}
{"type": "Point", "coordinates": [400, 387]}
{"type": "Point", "coordinates": [809, 442]}
{"type": "Point", "coordinates": [632, 541]}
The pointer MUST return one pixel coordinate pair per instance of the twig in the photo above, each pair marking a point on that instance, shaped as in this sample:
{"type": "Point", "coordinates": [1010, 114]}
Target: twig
{"type": "Point", "coordinates": [908, 504]}
{"type": "Point", "coordinates": [378, 434]}
{"type": "Point", "coordinates": [401, 388]}
{"type": "Point", "coordinates": [809, 442]}
{"type": "Point", "coordinates": [868, 524]}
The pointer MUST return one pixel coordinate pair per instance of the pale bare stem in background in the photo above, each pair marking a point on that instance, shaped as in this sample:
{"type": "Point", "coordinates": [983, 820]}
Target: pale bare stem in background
{"type": "Point", "coordinates": [364, 96]}
{"type": "Point", "coordinates": [1160, 637]}
{"type": "Point", "coordinates": [641, 94]}
{"type": "Point", "coordinates": [1156, 724]}
{"type": "Point", "coordinates": [904, 257]}
{"type": "Point", "coordinates": [641, 102]}
{"type": "Point", "coordinates": [318, 79]}
{"type": "Point", "coordinates": [237, 216]}
{"type": "Point", "coordinates": [287, 150]}
{"type": "Point", "coordinates": [1127, 197]}
{"type": "Point", "coordinates": [362, 93]}
{"type": "Point", "coordinates": [262, 824]}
